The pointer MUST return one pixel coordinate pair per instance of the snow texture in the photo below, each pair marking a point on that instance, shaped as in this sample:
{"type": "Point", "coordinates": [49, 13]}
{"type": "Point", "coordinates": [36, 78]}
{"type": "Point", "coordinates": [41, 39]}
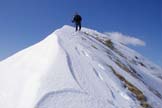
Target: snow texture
{"type": "Point", "coordinates": [81, 69]}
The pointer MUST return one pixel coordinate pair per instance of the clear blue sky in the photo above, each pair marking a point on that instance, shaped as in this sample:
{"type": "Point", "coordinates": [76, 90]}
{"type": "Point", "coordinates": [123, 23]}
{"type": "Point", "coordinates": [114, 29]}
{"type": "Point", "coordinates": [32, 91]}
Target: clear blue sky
{"type": "Point", "coordinates": [25, 22]}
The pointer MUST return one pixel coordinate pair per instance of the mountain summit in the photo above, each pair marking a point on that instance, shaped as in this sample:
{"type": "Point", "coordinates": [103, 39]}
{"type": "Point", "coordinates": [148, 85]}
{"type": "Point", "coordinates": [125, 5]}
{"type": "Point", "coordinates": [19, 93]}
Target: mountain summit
{"type": "Point", "coordinates": [83, 69]}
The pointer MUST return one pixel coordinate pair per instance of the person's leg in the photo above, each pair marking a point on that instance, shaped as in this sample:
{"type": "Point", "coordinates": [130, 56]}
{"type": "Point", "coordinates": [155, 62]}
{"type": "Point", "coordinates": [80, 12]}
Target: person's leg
{"type": "Point", "coordinates": [80, 26]}
{"type": "Point", "coordinates": [76, 29]}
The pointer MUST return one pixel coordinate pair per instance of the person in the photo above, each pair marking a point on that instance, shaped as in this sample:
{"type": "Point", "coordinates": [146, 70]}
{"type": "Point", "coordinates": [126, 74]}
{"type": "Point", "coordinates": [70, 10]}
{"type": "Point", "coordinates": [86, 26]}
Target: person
{"type": "Point", "coordinates": [77, 19]}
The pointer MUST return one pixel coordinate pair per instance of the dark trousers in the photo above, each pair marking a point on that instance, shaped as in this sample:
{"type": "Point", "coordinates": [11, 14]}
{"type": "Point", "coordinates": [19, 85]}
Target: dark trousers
{"type": "Point", "coordinates": [78, 25]}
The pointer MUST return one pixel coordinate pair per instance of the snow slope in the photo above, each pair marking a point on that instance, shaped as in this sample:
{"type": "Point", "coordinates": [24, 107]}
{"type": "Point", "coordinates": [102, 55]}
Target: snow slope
{"type": "Point", "coordinates": [82, 69]}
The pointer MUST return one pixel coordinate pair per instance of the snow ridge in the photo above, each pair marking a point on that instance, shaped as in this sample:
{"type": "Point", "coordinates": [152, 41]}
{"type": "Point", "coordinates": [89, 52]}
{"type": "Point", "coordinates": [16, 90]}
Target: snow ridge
{"type": "Point", "coordinates": [83, 69]}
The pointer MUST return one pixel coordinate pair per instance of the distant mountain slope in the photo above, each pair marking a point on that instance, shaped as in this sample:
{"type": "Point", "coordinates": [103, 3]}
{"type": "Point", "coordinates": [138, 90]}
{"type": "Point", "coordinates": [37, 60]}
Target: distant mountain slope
{"type": "Point", "coordinates": [82, 69]}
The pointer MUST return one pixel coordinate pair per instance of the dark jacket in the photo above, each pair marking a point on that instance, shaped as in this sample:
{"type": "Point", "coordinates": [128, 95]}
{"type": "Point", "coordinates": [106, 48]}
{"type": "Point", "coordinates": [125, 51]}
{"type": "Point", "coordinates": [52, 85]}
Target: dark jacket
{"type": "Point", "coordinates": [77, 19]}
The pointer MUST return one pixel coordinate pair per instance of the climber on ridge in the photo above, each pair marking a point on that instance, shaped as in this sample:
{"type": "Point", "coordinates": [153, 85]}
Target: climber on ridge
{"type": "Point", "coordinates": [77, 19]}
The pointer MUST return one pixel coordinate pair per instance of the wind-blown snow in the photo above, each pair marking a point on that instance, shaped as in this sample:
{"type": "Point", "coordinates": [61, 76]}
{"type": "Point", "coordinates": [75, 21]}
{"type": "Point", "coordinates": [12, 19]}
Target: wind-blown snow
{"type": "Point", "coordinates": [126, 40]}
{"type": "Point", "coordinates": [72, 69]}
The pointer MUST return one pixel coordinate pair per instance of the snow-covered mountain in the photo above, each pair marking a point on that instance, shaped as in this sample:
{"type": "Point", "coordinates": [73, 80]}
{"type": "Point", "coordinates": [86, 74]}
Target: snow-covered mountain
{"type": "Point", "coordinates": [82, 69]}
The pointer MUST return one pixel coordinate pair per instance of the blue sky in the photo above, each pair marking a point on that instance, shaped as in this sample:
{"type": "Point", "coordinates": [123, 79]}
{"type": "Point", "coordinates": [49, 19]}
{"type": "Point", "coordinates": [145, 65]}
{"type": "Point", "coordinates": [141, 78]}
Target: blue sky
{"type": "Point", "coordinates": [25, 22]}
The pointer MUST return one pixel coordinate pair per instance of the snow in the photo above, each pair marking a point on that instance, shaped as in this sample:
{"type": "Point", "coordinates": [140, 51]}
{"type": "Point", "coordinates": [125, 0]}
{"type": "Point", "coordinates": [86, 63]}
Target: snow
{"type": "Point", "coordinates": [71, 69]}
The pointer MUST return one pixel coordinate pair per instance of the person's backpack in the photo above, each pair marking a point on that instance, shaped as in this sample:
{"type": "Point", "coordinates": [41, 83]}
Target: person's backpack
{"type": "Point", "coordinates": [77, 18]}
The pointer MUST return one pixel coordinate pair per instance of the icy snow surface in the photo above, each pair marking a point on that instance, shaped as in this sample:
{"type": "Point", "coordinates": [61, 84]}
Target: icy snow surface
{"type": "Point", "coordinates": [72, 69]}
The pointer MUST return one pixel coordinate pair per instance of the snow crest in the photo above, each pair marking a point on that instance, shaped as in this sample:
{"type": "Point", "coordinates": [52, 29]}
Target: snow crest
{"type": "Point", "coordinates": [82, 69]}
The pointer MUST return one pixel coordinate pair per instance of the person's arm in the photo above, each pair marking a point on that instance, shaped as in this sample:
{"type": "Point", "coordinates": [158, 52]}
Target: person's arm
{"type": "Point", "coordinates": [73, 19]}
